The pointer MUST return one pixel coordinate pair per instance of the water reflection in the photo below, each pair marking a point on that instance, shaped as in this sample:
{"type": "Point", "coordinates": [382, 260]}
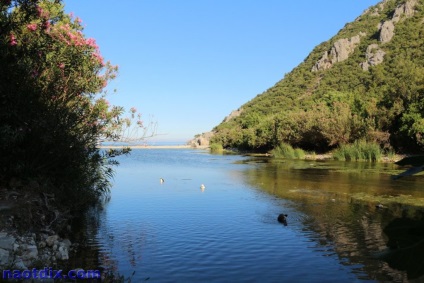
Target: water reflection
{"type": "Point", "coordinates": [405, 246]}
{"type": "Point", "coordinates": [340, 199]}
{"type": "Point", "coordinates": [229, 232]}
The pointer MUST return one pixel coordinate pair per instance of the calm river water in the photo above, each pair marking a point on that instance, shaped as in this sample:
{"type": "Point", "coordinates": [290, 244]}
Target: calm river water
{"type": "Point", "coordinates": [176, 232]}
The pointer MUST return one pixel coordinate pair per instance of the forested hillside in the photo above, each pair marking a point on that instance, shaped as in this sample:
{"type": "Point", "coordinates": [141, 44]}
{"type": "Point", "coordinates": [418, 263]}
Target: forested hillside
{"type": "Point", "coordinates": [365, 83]}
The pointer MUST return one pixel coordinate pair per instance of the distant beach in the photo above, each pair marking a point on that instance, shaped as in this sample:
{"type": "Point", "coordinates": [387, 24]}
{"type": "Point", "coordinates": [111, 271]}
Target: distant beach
{"type": "Point", "coordinates": [154, 146]}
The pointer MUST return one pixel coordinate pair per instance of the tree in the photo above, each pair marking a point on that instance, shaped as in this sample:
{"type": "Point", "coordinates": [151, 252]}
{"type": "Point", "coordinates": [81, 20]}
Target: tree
{"type": "Point", "coordinates": [53, 107]}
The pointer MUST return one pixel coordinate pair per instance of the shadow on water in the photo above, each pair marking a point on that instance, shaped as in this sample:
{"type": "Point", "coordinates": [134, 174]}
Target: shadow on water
{"type": "Point", "coordinates": [355, 209]}
{"type": "Point", "coordinates": [405, 246]}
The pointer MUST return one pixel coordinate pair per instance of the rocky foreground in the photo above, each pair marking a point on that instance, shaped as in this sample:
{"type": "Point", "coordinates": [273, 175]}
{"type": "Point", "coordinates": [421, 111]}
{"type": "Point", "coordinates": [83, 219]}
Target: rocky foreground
{"type": "Point", "coordinates": [30, 222]}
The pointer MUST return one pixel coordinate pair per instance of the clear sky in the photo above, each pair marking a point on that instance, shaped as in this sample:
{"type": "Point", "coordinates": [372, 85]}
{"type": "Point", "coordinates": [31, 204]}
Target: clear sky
{"type": "Point", "coordinates": [187, 64]}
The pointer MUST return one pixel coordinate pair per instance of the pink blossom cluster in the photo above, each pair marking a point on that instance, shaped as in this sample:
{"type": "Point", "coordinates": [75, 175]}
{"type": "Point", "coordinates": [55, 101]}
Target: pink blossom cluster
{"type": "Point", "coordinates": [133, 110]}
{"type": "Point", "coordinates": [41, 13]}
{"type": "Point", "coordinates": [76, 38]}
{"type": "Point", "coordinates": [12, 40]}
{"type": "Point", "coordinates": [32, 27]}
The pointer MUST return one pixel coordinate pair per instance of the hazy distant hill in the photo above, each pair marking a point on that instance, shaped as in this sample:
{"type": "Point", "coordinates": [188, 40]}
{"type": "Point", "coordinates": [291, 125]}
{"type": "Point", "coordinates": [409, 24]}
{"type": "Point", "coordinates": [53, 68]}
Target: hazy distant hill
{"type": "Point", "coordinates": [367, 82]}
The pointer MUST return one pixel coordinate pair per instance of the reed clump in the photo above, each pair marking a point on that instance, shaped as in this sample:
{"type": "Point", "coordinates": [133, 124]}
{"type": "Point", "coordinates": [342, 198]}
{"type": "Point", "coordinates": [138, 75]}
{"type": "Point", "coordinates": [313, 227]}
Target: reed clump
{"type": "Point", "coordinates": [358, 151]}
{"type": "Point", "coordinates": [285, 150]}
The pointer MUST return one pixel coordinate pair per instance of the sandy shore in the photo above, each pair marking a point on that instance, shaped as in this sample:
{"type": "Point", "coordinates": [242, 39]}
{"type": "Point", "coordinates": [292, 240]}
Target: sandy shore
{"type": "Point", "coordinates": [155, 146]}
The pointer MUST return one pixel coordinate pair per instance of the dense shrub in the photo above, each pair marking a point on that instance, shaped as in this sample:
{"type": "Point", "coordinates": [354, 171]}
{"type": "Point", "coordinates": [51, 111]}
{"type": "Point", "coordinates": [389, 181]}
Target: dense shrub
{"type": "Point", "coordinates": [53, 112]}
{"type": "Point", "coordinates": [216, 148]}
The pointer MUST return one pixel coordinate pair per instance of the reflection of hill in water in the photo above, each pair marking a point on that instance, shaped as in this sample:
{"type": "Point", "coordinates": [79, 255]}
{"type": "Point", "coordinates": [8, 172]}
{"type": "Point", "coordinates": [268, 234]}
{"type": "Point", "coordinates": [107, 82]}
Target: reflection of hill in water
{"type": "Point", "coordinates": [340, 202]}
{"type": "Point", "coordinates": [405, 249]}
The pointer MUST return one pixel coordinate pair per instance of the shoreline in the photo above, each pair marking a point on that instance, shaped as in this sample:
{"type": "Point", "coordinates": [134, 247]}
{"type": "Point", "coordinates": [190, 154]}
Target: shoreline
{"type": "Point", "coordinates": [155, 146]}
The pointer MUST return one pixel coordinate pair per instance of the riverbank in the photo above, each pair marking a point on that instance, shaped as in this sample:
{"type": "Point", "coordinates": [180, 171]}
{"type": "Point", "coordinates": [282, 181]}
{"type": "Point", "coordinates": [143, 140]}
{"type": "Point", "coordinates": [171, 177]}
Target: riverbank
{"type": "Point", "coordinates": [34, 228]}
{"type": "Point", "coordinates": [155, 146]}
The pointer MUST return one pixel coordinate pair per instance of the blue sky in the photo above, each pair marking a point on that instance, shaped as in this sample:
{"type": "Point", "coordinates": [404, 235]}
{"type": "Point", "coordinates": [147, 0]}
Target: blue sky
{"type": "Point", "coordinates": [187, 64]}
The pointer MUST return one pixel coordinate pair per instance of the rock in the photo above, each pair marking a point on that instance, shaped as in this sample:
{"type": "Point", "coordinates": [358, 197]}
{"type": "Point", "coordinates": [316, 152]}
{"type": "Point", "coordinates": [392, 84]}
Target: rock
{"type": "Point", "coordinates": [323, 63]}
{"type": "Point", "coordinates": [51, 240]}
{"type": "Point", "coordinates": [6, 242]}
{"type": "Point", "coordinates": [386, 31]}
{"type": "Point", "coordinates": [19, 264]}
{"type": "Point", "coordinates": [342, 48]}
{"type": "Point", "coordinates": [29, 252]}
{"type": "Point", "coordinates": [67, 243]}
{"type": "Point", "coordinates": [62, 253]}
{"type": "Point", "coordinates": [339, 52]}
{"type": "Point", "coordinates": [406, 9]}
{"type": "Point", "coordinates": [4, 257]}
{"type": "Point", "coordinates": [233, 114]}
{"type": "Point", "coordinates": [42, 244]}
{"type": "Point", "coordinates": [201, 140]}
{"type": "Point", "coordinates": [374, 56]}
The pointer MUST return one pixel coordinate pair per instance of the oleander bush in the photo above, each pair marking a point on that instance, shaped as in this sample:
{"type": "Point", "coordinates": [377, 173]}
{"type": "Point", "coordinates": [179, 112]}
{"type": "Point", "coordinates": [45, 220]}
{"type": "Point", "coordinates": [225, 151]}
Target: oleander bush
{"type": "Point", "coordinates": [53, 107]}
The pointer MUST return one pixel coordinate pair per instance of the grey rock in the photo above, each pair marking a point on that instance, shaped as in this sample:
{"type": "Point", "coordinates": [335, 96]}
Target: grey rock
{"type": "Point", "coordinates": [340, 51]}
{"type": "Point", "coordinates": [374, 56]}
{"type": "Point", "coordinates": [6, 242]}
{"type": "Point", "coordinates": [19, 264]}
{"type": "Point", "coordinates": [67, 243]}
{"type": "Point", "coordinates": [233, 114]}
{"type": "Point", "coordinates": [30, 252]}
{"type": "Point", "coordinates": [323, 63]}
{"type": "Point", "coordinates": [4, 257]}
{"type": "Point", "coordinates": [62, 253]}
{"type": "Point", "coordinates": [387, 31]}
{"type": "Point", "coordinates": [407, 9]}
{"type": "Point", "coordinates": [42, 244]}
{"type": "Point", "coordinates": [51, 240]}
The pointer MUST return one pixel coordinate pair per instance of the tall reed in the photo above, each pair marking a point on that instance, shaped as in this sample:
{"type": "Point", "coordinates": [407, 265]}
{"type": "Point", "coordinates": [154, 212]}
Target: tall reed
{"type": "Point", "coordinates": [358, 151]}
{"type": "Point", "coordinates": [285, 150]}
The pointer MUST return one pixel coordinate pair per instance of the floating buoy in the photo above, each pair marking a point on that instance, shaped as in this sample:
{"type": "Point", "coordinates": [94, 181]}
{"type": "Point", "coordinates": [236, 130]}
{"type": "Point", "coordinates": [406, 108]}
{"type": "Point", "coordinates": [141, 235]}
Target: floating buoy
{"type": "Point", "coordinates": [162, 180]}
{"type": "Point", "coordinates": [202, 187]}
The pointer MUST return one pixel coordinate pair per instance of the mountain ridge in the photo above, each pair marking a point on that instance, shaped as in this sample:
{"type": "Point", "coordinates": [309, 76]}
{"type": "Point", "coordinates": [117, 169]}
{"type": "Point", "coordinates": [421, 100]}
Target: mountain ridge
{"type": "Point", "coordinates": [366, 82]}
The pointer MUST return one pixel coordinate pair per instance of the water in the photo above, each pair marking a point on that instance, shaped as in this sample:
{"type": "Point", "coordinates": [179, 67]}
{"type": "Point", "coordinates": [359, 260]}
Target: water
{"type": "Point", "coordinates": [228, 232]}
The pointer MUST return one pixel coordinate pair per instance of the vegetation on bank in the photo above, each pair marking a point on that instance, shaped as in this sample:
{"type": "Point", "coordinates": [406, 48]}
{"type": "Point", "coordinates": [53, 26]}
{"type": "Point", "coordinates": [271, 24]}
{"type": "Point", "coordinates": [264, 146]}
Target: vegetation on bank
{"type": "Point", "coordinates": [358, 151]}
{"type": "Point", "coordinates": [325, 109]}
{"type": "Point", "coordinates": [216, 148]}
{"type": "Point", "coordinates": [285, 150]}
{"type": "Point", "coordinates": [53, 108]}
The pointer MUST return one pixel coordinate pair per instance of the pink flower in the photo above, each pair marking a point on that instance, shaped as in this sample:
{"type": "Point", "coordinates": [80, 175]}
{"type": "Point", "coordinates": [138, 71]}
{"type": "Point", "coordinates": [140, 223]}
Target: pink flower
{"type": "Point", "coordinates": [133, 109]}
{"type": "Point", "coordinates": [62, 66]}
{"type": "Point", "coordinates": [91, 42]}
{"type": "Point", "coordinates": [32, 27]}
{"type": "Point", "coordinates": [12, 40]}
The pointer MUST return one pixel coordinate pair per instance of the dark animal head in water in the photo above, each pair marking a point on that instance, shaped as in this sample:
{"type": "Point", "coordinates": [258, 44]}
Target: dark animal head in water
{"type": "Point", "coordinates": [282, 218]}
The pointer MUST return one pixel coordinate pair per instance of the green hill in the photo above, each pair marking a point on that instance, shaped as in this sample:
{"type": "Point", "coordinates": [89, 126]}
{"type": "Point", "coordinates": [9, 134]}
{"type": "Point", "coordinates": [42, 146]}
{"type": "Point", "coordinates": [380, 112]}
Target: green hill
{"type": "Point", "coordinates": [365, 83]}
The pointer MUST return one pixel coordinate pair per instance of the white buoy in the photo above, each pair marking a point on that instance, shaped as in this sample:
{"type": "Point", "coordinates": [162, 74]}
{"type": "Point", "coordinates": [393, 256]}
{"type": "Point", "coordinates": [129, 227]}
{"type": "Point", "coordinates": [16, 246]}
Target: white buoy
{"type": "Point", "coordinates": [202, 187]}
{"type": "Point", "coordinates": [162, 180]}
